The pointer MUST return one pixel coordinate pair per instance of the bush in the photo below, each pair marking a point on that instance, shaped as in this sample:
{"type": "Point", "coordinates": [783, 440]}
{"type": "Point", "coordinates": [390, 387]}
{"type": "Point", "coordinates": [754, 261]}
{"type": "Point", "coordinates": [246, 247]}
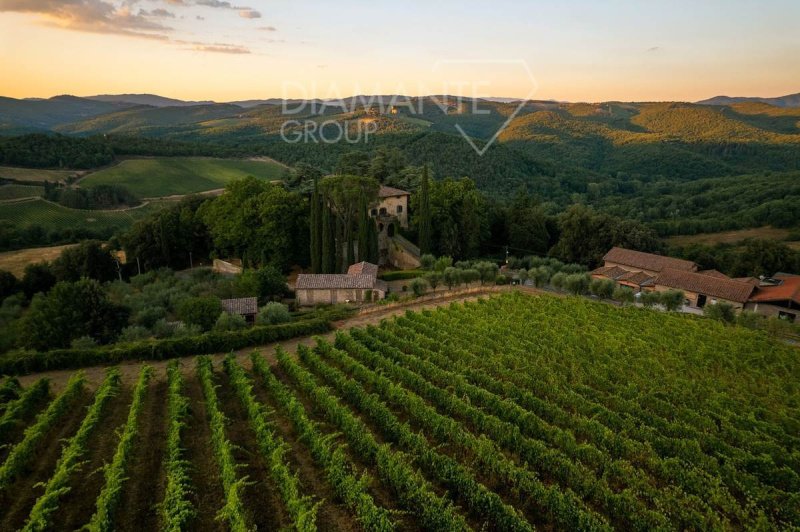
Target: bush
{"type": "Point", "coordinates": [21, 362]}
{"type": "Point", "coordinates": [133, 333]}
{"type": "Point", "coordinates": [451, 276]}
{"type": "Point", "coordinates": [501, 280]}
{"type": "Point", "coordinates": [602, 288]}
{"type": "Point", "coordinates": [559, 280]}
{"type": "Point", "coordinates": [148, 317]}
{"type": "Point", "coordinates": [84, 342]}
{"type": "Point", "coordinates": [649, 299]}
{"type": "Point", "coordinates": [487, 271]}
{"type": "Point", "coordinates": [624, 295]}
{"type": "Point", "coordinates": [672, 299]}
{"type": "Point", "coordinates": [577, 283]}
{"type": "Point", "coordinates": [442, 263]}
{"type": "Point", "coordinates": [749, 319]}
{"type": "Point", "coordinates": [273, 314]}
{"type": "Point", "coordinates": [8, 284]}
{"type": "Point", "coordinates": [540, 275]}
{"type": "Point", "coordinates": [200, 311]}
{"type": "Point", "coordinates": [427, 261]}
{"type": "Point", "coordinates": [419, 287]}
{"type": "Point", "coordinates": [433, 279]}
{"type": "Point", "coordinates": [720, 311]}
{"type": "Point", "coordinates": [228, 321]}
{"type": "Point", "coordinates": [401, 275]}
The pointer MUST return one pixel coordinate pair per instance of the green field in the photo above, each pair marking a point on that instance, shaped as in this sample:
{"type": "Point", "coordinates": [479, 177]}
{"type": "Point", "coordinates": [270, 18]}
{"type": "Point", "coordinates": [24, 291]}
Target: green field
{"type": "Point", "coordinates": [168, 176]}
{"type": "Point", "coordinates": [53, 217]}
{"type": "Point", "coordinates": [8, 192]}
{"type": "Point", "coordinates": [510, 413]}
{"type": "Point", "coordinates": [35, 174]}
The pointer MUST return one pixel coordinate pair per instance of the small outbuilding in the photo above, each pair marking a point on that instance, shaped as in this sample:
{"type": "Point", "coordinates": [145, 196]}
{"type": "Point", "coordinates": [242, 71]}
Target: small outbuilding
{"type": "Point", "coordinates": [359, 284]}
{"type": "Point", "coordinates": [246, 307]}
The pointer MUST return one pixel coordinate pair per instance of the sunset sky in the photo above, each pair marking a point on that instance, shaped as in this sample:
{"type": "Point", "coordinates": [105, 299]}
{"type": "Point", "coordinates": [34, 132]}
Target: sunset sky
{"type": "Point", "coordinates": [575, 50]}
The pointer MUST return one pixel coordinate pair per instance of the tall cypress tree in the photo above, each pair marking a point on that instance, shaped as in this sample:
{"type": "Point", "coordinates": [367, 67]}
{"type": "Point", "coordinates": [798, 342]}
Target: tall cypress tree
{"type": "Point", "coordinates": [372, 250]}
{"type": "Point", "coordinates": [328, 244]}
{"type": "Point", "coordinates": [424, 215]}
{"type": "Point", "coordinates": [364, 221]}
{"type": "Point", "coordinates": [316, 230]}
{"type": "Point", "coordinates": [341, 237]}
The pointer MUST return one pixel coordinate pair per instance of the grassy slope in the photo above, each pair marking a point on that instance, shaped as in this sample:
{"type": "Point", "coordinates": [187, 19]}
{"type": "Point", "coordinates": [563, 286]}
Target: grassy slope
{"type": "Point", "coordinates": [15, 261]}
{"type": "Point", "coordinates": [180, 175]}
{"type": "Point", "coordinates": [34, 174]}
{"type": "Point", "coordinates": [8, 192]}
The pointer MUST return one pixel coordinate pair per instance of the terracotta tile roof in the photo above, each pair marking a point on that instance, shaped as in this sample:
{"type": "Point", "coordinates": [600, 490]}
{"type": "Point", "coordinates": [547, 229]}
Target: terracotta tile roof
{"type": "Point", "coordinates": [241, 305]}
{"type": "Point", "coordinates": [789, 289]}
{"type": "Point", "coordinates": [755, 281]}
{"type": "Point", "coordinates": [324, 281]}
{"type": "Point", "coordinates": [727, 289]}
{"type": "Point", "coordinates": [647, 261]}
{"type": "Point", "coordinates": [386, 192]}
{"type": "Point", "coordinates": [638, 278]}
{"type": "Point", "coordinates": [365, 268]}
{"type": "Point", "coordinates": [612, 272]}
{"type": "Point", "coordinates": [714, 273]}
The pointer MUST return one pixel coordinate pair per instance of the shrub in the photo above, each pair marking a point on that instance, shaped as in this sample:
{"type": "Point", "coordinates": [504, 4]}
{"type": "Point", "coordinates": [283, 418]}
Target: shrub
{"type": "Point", "coordinates": [273, 314]}
{"type": "Point", "coordinates": [540, 275]}
{"type": "Point", "coordinates": [602, 288]}
{"type": "Point", "coordinates": [501, 280]}
{"type": "Point", "coordinates": [419, 287]}
{"type": "Point", "coordinates": [133, 333]}
{"type": "Point", "coordinates": [559, 280]}
{"type": "Point", "coordinates": [401, 275]}
{"type": "Point", "coordinates": [84, 342]}
{"type": "Point", "coordinates": [427, 261]}
{"type": "Point", "coordinates": [228, 321]}
{"type": "Point", "coordinates": [720, 311]}
{"type": "Point", "coordinates": [577, 283]}
{"type": "Point", "coordinates": [487, 271]}
{"type": "Point", "coordinates": [624, 295]}
{"type": "Point", "coordinates": [148, 316]}
{"type": "Point", "coordinates": [442, 263]}
{"type": "Point", "coordinates": [749, 319]}
{"type": "Point", "coordinates": [200, 311]}
{"type": "Point", "coordinates": [433, 279]}
{"type": "Point", "coordinates": [649, 299]}
{"type": "Point", "coordinates": [672, 299]}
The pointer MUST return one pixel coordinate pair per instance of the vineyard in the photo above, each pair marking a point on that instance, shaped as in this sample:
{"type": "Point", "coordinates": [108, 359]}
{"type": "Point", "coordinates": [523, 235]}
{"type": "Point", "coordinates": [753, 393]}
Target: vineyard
{"type": "Point", "coordinates": [514, 412]}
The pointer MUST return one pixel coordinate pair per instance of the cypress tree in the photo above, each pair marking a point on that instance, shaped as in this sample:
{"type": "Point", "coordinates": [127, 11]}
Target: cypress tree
{"type": "Point", "coordinates": [316, 230]}
{"type": "Point", "coordinates": [424, 216]}
{"type": "Point", "coordinates": [372, 250]}
{"type": "Point", "coordinates": [337, 246]}
{"type": "Point", "coordinates": [364, 221]}
{"type": "Point", "coordinates": [328, 243]}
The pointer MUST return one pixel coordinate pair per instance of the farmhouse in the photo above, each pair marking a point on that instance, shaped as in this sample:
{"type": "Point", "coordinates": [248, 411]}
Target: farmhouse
{"type": "Point", "coordinates": [390, 213]}
{"type": "Point", "coordinates": [243, 306]}
{"type": "Point", "coordinates": [360, 283]}
{"type": "Point", "coordinates": [649, 272]}
{"type": "Point", "coordinates": [779, 297]}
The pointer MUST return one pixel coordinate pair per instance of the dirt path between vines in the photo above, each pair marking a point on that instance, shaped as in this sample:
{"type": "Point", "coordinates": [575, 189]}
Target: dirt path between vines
{"type": "Point", "coordinates": [130, 368]}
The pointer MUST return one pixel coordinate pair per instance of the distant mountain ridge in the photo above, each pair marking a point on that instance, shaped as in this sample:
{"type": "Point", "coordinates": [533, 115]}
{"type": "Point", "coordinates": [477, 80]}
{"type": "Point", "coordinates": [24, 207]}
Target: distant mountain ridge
{"type": "Point", "coordinates": [790, 100]}
{"type": "Point", "coordinates": [153, 100]}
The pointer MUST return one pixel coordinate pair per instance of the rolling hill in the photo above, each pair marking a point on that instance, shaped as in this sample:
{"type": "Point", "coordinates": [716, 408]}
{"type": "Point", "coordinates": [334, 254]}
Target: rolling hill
{"type": "Point", "coordinates": [790, 100]}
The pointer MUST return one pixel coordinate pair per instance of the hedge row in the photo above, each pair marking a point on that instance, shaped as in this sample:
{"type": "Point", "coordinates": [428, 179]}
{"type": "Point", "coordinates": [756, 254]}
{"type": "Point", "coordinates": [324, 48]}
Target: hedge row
{"type": "Point", "coordinates": [211, 342]}
{"type": "Point", "coordinates": [401, 275]}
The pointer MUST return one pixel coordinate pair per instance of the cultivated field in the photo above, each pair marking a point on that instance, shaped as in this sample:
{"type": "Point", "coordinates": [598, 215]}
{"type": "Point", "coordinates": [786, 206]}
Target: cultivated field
{"type": "Point", "coordinates": [10, 192]}
{"type": "Point", "coordinates": [507, 413]}
{"type": "Point", "coordinates": [167, 176]}
{"type": "Point", "coordinates": [15, 261]}
{"type": "Point", "coordinates": [53, 217]}
{"type": "Point", "coordinates": [36, 174]}
{"type": "Point", "coordinates": [730, 237]}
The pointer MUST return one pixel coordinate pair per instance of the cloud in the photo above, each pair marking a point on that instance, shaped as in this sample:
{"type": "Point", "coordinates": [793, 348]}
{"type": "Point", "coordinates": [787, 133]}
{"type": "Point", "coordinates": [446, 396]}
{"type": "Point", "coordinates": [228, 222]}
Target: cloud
{"type": "Point", "coordinates": [654, 49]}
{"type": "Point", "coordinates": [221, 48]}
{"type": "Point", "coordinates": [249, 13]}
{"type": "Point", "coordinates": [244, 12]}
{"type": "Point", "coordinates": [198, 17]}
{"type": "Point", "coordinates": [162, 13]}
{"type": "Point", "coordinates": [94, 16]}
{"type": "Point", "coordinates": [268, 28]}
{"type": "Point", "coordinates": [215, 3]}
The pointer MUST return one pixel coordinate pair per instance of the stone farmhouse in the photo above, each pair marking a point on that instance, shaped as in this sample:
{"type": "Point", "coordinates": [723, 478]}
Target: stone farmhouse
{"type": "Point", "coordinates": [359, 284]}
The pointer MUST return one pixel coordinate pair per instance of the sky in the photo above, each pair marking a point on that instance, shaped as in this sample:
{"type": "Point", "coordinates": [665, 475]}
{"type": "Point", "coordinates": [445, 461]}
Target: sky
{"type": "Point", "coordinates": [572, 50]}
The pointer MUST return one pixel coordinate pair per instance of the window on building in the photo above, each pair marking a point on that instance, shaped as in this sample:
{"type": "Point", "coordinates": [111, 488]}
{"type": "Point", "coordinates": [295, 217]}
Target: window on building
{"type": "Point", "coordinates": [383, 210]}
{"type": "Point", "coordinates": [399, 209]}
{"type": "Point", "coordinates": [374, 212]}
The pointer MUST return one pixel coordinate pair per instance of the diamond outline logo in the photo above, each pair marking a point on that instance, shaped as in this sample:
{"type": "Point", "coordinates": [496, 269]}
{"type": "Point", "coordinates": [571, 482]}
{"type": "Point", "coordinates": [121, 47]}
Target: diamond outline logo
{"type": "Point", "coordinates": [513, 115]}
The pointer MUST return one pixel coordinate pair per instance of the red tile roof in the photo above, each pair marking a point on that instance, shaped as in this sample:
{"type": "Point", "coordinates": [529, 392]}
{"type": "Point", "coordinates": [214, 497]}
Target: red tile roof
{"type": "Point", "coordinates": [647, 261]}
{"type": "Point", "coordinates": [639, 278]}
{"type": "Point", "coordinates": [714, 273]}
{"type": "Point", "coordinates": [727, 289]}
{"type": "Point", "coordinates": [789, 289]}
{"type": "Point", "coordinates": [363, 268]}
{"type": "Point", "coordinates": [386, 192]}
